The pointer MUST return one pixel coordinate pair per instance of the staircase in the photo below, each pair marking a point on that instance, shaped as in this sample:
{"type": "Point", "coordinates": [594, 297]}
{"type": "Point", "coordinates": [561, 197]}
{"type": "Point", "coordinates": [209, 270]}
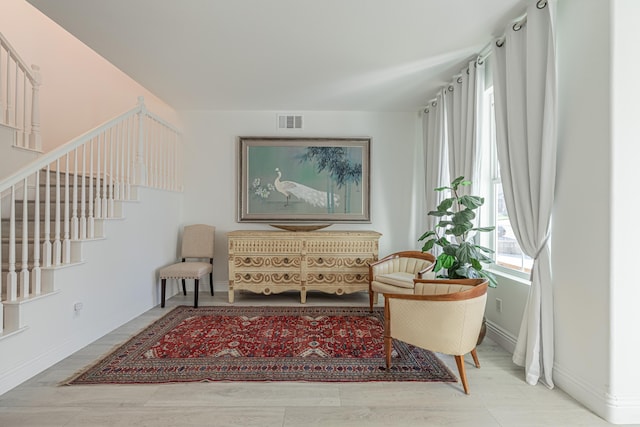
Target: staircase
{"type": "Point", "coordinates": [75, 263]}
{"type": "Point", "coordinates": [64, 197]}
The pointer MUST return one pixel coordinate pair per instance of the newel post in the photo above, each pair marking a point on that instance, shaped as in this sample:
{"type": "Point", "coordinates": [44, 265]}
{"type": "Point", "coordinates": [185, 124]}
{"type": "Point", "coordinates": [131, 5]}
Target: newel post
{"type": "Point", "coordinates": [139, 166]}
{"type": "Point", "coordinates": [35, 139]}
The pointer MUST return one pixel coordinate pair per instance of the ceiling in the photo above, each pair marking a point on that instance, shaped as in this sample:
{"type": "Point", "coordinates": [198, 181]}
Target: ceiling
{"type": "Point", "coordinates": [288, 55]}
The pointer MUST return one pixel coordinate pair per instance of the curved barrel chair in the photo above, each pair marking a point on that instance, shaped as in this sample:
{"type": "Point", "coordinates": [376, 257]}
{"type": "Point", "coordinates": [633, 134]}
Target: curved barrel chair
{"type": "Point", "coordinates": [443, 316]}
{"type": "Point", "coordinates": [395, 273]}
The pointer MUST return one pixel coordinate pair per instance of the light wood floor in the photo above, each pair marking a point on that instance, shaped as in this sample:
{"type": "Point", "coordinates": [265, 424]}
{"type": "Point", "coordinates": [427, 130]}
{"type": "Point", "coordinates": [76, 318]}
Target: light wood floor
{"type": "Point", "coordinates": [499, 396]}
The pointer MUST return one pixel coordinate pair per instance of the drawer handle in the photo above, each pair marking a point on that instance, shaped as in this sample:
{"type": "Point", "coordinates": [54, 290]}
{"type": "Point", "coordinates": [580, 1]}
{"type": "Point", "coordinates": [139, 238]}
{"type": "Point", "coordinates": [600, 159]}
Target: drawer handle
{"type": "Point", "coordinates": [247, 276]}
{"type": "Point", "coordinates": [247, 260]}
{"type": "Point", "coordinates": [286, 260]}
{"type": "Point", "coordinates": [320, 260]}
{"type": "Point", "coordinates": [358, 261]}
{"type": "Point", "coordinates": [286, 277]}
{"type": "Point", "coordinates": [358, 276]}
{"type": "Point", "coordinates": [320, 276]}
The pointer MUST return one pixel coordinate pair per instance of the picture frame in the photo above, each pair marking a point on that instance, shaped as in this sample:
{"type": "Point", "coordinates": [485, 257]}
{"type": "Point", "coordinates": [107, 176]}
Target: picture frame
{"type": "Point", "coordinates": [303, 180]}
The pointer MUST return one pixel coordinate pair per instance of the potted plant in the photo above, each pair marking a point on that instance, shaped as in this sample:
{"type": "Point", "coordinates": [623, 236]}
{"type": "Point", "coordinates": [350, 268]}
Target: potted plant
{"type": "Point", "coordinates": [461, 257]}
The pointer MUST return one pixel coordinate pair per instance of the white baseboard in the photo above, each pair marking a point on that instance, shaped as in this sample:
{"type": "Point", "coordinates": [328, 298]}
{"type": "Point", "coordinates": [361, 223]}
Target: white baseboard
{"type": "Point", "coordinates": [32, 367]}
{"type": "Point", "coordinates": [501, 336]}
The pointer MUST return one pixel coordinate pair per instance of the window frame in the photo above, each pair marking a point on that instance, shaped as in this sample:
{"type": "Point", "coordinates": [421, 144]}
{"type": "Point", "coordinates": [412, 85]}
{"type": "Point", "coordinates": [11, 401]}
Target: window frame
{"type": "Point", "coordinates": [490, 179]}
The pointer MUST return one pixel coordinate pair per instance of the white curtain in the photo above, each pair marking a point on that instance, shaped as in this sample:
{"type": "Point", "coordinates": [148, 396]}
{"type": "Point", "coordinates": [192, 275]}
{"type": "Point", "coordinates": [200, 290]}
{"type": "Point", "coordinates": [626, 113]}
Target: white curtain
{"type": "Point", "coordinates": [436, 173]}
{"type": "Point", "coordinates": [462, 104]}
{"type": "Point", "coordinates": [525, 104]}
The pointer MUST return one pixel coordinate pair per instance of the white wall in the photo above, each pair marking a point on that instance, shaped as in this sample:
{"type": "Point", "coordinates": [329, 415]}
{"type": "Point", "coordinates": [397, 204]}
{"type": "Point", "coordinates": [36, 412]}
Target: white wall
{"type": "Point", "coordinates": [117, 283]}
{"type": "Point", "coordinates": [581, 235]}
{"type": "Point", "coordinates": [625, 235]}
{"type": "Point", "coordinates": [593, 234]}
{"type": "Point", "coordinates": [210, 173]}
{"type": "Point", "coordinates": [80, 89]}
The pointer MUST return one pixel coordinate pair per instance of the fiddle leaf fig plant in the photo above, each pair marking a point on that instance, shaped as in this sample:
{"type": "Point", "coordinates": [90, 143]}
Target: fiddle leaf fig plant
{"type": "Point", "coordinates": [461, 256]}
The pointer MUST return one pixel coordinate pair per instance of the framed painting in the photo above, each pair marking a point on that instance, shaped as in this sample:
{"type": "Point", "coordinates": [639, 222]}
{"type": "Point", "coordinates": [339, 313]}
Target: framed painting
{"type": "Point", "coordinates": [303, 179]}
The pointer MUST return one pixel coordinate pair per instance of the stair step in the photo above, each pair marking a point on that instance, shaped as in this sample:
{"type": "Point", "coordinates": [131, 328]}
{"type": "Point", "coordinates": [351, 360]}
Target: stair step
{"type": "Point", "coordinates": [52, 207]}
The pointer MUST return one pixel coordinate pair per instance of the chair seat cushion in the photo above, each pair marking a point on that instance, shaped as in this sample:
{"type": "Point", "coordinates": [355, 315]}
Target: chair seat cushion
{"type": "Point", "coordinates": [399, 279]}
{"type": "Point", "coordinates": [186, 270]}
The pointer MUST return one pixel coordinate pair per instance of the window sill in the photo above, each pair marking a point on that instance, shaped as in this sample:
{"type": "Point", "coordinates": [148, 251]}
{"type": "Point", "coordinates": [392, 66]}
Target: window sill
{"type": "Point", "coordinates": [519, 278]}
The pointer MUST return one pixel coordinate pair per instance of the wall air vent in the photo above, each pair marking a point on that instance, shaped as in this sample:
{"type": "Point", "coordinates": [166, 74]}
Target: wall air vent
{"type": "Point", "coordinates": [289, 121]}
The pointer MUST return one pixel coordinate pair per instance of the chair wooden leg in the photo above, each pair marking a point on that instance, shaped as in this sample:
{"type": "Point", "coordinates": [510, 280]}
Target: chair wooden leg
{"type": "Point", "coordinates": [463, 375]}
{"type": "Point", "coordinates": [388, 341]}
{"type": "Point", "coordinates": [163, 291]}
{"type": "Point", "coordinates": [211, 282]}
{"type": "Point", "coordinates": [195, 293]}
{"type": "Point", "coordinates": [372, 295]}
{"type": "Point", "coordinates": [474, 354]}
{"type": "Point", "coordinates": [184, 287]}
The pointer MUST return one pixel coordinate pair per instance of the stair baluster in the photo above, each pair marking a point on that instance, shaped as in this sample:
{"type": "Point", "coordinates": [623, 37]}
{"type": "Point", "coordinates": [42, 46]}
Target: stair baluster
{"type": "Point", "coordinates": [47, 256]}
{"type": "Point", "coordinates": [57, 244]}
{"type": "Point", "coordinates": [24, 272]}
{"type": "Point", "coordinates": [12, 277]}
{"type": "Point", "coordinates": [36, 276]}
{"type": "Point", "coordinates": [83, 198]}
{"type": "Point", "coordinates": [74, 206]}
{"type": "Point", "coordinates": [111, 176]}
{"type": "Point", "coordinates": [105, 179]}
{"type": "Point", "coordinates": [91, 230]}
{"type": "Point", "coordinates": [66, 242]}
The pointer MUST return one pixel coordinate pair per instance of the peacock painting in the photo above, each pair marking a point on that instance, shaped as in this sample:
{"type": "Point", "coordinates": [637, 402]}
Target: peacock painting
{"type": "Point", "coordinates": [306, 181]}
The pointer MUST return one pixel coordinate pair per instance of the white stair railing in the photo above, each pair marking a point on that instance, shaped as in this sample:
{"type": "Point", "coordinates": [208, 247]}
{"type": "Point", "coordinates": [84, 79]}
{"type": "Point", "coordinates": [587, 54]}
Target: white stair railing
{"type": "Point", "coordinates": [19, 100]}
{"type": "Point", "coordinates": [95, 170]}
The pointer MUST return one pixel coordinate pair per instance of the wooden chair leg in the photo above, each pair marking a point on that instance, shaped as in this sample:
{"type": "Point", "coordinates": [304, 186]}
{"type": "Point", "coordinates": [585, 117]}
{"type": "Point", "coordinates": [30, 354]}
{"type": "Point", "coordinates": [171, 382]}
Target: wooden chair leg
{"type": "Point", "coordinates": [474, 354]}
{"type": "Point", "coordinates": [163, 291]}
{"type": "Point", "coordinates": [463, 375]}
{"type": "Point", "coordinates": [372, 295]}
{"type": "Point", "coordinates": [388, 344]}
{"type": "Point", "coordinates": [184, 287]}
{"type": "Point", "coordinates": [195, 293]}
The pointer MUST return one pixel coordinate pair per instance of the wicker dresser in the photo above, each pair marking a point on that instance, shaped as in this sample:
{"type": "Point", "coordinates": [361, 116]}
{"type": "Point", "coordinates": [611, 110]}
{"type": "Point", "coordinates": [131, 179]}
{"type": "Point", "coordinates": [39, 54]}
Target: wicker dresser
{"type": "Point", "coordinates": [276, 261]}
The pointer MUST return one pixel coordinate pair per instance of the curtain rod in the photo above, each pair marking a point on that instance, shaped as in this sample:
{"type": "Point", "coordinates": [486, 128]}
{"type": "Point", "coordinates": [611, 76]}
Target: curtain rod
{"type": "Point", "coordinates": [486, 51]}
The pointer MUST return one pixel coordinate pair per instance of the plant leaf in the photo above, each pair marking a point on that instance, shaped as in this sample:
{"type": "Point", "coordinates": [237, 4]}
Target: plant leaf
{"type": "Point", "coordinates": [428, 245]}
{"type": "Point", "coordinates": [457, 182]}
{"type": "Point", "coordinates": [483, 229]}
{"type": "Point", "coordinates": [460, 229]}
{"type": "Point", "coordinates": [471, 202]}
{"type": "Point", "coordinates": [450, 250]}
{"type": "Point", "coordinates": [484, 249]}
{"type": "Point", "coordinates": [445, 205]}
{"type": "Point", "coordinates": [427, 234]}
{"type": "Point", "coordinates": [493, 282]}
{"type": "Point", "coordinates": [465, 215]}
{"type": "Point", "coordinates": [465, 253]}
{"type": "Point", "coordinates": [443, 242]}
{"type": "Point", "coordinates": [439, 213]}
{"type": "Point", "coordinates": [446, 260]}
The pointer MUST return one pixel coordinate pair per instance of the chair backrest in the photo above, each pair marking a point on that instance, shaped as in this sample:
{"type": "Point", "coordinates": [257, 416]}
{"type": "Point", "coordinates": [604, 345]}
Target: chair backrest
{"type": "Point", "coordinates": [440, 321]}
{"type": "Point", "coordinates": [198, 241]}
{"type": "Point", "coordinates": [406, 261]}
{"type": "Point", "coordinates": [439, 287]}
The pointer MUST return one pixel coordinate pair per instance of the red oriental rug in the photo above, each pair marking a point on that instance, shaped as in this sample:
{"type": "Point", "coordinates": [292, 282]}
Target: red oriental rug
{"type": "Point", "coordinates": [325, 344]}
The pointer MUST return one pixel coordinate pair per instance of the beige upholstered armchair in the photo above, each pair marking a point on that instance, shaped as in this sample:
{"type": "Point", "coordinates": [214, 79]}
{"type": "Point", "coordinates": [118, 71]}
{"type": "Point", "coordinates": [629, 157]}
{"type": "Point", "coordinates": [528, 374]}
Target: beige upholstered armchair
{"type": "Point", "coordinates": [444, 316]}
{"type": "Point", "coordinates": [395, 273]}
{"type": "Point", "coordinates": [197, 245]}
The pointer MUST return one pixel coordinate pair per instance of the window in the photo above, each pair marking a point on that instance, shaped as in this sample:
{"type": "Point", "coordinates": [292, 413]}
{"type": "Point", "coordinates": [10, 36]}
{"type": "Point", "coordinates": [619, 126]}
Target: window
{"type": "Point", "coordinates": [508, 256]}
